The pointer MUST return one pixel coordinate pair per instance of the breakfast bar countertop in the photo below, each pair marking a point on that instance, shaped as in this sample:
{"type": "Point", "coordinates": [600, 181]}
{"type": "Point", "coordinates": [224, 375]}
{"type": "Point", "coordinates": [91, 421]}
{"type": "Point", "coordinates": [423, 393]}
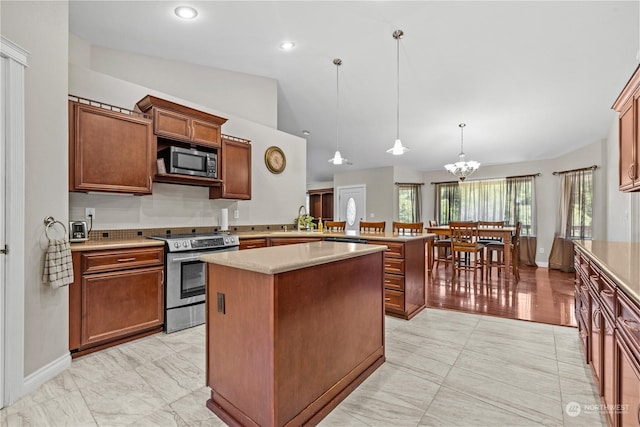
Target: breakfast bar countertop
{"type": "Point", "coordinates": [279, 259]}
{"type": "Point", "coordinates": [399, 237]}
{"type": "Point", "coordinates": [619, 260]}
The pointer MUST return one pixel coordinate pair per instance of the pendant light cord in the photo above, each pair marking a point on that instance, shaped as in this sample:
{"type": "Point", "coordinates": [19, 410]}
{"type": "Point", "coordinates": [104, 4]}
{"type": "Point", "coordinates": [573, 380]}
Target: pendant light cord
{"type": "Point", "coordinates": [399, 35]}
{"type": "Point", "coordinates": [462, 125]}
{"type": "Point", "coordinates": [337, 62]}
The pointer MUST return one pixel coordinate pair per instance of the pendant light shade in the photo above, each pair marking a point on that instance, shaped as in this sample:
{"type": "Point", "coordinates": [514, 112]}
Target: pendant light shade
{"type": "Point", "coordinates": [462, 168]}
{"type": "Point", "coordinates": [398, 148]}
{"type": "Point", "coordinates": [337, 158]}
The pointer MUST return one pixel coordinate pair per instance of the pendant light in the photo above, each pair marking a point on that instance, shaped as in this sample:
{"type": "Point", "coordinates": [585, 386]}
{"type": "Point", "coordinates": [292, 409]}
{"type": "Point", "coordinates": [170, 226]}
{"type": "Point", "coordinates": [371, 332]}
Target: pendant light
{"type": "Point", "coordinates": [398, 148]}
{"type": "Point", "coordinates": [462, 169]}
{"type": "Point", "coordinates": [337, 158]}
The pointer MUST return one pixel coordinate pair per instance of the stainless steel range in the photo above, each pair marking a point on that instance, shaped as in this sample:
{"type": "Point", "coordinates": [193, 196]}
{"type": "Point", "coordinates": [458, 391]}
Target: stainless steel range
{"type": "Point", "coordinates": [186, 276]}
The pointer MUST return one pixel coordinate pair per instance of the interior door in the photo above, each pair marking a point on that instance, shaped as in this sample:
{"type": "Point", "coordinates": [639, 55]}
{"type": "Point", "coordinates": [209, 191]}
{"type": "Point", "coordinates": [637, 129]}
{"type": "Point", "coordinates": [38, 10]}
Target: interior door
{"type": "Point", "coordinates": [351, 206]}
{"type": "Point", "coordinates": [3, 216]}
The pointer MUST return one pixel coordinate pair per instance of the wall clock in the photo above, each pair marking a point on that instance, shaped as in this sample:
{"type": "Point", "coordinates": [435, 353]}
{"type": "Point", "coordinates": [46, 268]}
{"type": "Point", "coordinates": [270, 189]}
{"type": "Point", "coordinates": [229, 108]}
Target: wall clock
{"type": "Point", "coordinates": [275, 159]}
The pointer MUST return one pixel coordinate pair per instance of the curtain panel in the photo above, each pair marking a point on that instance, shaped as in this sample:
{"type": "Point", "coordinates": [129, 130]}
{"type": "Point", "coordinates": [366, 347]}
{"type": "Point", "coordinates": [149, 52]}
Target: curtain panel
{"type": "Point", "coordinates": [410, 202]}
{"type": "Point", "coordinates": [574, 217]}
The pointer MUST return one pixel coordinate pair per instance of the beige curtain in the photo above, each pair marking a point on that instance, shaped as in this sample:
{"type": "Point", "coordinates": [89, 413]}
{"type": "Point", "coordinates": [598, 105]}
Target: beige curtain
{"type": "Point", "coordinates": [447, 202]}
{"type": "Point", "coordinates": [521, 206]}
{"type": "Point", "coordinates": [482, 200]}
{"type": "Point", "coordinates": [574, 217]}
{"type": "Point", "coordinates": [410, 202]}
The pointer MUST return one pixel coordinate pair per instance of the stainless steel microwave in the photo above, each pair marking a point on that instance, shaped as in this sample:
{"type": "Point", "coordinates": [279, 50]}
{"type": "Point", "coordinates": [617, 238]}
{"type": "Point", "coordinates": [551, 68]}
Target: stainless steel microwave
{"type": "Point", "coordinates": [189, 161]}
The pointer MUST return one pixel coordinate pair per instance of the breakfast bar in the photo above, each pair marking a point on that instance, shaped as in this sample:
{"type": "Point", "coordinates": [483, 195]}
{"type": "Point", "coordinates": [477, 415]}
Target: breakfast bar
{"type": "Point", "coordinates": [292, 330]}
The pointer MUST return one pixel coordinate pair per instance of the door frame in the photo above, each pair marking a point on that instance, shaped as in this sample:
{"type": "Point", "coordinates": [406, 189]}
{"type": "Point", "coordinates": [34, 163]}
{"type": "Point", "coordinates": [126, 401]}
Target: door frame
{"type": "Point", "coordinates": [340, 189]}
{"type": "Point", "coordinates": [14, 61]}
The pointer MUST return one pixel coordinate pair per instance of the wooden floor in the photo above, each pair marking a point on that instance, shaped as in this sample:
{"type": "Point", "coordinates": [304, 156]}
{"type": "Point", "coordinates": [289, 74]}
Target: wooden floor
{"type": "Point", "coordinates": [541, 295]}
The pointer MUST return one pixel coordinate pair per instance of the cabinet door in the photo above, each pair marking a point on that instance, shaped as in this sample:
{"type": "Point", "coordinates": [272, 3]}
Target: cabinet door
{"type": "Point", "coordinates": [110, 151]}
{"type": "Point", "coordinates": [628, 385]}
{"type": "Point", "coordinates": [205, 133]}
{"type": "Point", "coordinates": [608, 365]}
{"type": "Point", "coordinates": [121, 303]}
{"type": "Point", "coordinates": [235, 171]}
{"type": "Point", "coordinates": [252, 243]}
{"type": "Point", "coordinates": [171, 125]}
{"type": "Point", "coordinates": [627, 165]}
{"type": "Point", "coordinates": [596, 342]}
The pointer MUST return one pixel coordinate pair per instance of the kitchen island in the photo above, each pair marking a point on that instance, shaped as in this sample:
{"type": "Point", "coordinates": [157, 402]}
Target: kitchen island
{"type": "Point", "coordinates": [292, 330]}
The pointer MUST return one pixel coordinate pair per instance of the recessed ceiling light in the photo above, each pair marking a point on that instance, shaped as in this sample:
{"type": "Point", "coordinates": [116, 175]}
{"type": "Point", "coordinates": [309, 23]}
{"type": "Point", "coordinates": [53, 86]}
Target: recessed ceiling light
{"type": "Point", "coordinates": [287, 45]}
{"type": "Point", "coordinates": [186, 12]}
{"type": "Point", "coordinates": [306, 132]}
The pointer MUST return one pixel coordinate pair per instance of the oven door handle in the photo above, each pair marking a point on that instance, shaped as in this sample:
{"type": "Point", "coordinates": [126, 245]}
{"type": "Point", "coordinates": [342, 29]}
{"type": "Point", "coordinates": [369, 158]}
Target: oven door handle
{"type": "Point", "coordinates": [193, 258]}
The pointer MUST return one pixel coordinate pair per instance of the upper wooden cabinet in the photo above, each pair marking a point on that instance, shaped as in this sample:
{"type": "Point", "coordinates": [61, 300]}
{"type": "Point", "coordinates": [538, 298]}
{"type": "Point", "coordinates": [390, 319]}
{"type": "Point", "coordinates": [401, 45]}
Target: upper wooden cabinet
{"type": "Point", "coordinates": [181, 123]}
{"type": "Point", "coordinates": [321, 203]}
{"type": "Point", "coordinates": [235, 155]}
{"type": "Point", "coordinates": [629, 137]}
{"type": "Point", "coordinates": [110, 149]}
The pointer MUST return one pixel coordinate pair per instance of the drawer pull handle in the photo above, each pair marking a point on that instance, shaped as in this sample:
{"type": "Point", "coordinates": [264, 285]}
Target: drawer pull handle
{"type": "Point", "coordinates": [596, 317]}
{"type": "Point", "coordinates": [607, 293]}
{"type": "Point", "coordinates": [584, 310]}
{"type": "Point", "coordinates": [633, 328]}
{"type": "Point", "coordinates": [387, 281]}
{"type": "Point", "coordinates": [583, 334]}
{"type": "Point", "coordinates": [387, 299]}
{"type": "Point", "coordinates": [126, 259]}
{"type": "Point", "coordinates": [584, 288]}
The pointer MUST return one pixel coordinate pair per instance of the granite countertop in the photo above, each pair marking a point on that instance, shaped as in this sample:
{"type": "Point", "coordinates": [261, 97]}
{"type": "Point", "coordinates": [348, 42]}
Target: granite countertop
{"type": "Point", "coordinates": [353, 234]}
{"type": "Point", "coordinates": [92, 245]}
{"type": "Point", "coordinates": [618, 260]}
{"type": "Point", "coordinates": [280, 259]}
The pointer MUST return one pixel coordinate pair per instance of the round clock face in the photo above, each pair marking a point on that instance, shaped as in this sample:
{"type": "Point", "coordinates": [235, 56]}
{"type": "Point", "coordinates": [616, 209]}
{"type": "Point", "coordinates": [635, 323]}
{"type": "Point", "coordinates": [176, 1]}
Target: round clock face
{"type": "Point", "coordinates": [275, 160]}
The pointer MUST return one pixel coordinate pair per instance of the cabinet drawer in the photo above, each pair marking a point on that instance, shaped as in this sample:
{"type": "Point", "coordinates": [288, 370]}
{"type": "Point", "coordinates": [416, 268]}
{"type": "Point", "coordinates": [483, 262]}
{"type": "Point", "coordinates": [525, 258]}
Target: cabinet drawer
{"type": "Point", "coordinates": [394, 249]}
{"type": "Point", "coordinates": [628, 322]}
{"type": "Point", "coordinates": [394, 300]}
{"type": "Point", "coordinates": [393, 281]}
{"type": "Point", "coordinates": [393, 265]}
{"type": "Point", "coordinates": [119, 259]}
{"type": "Point", "coordinates": [252, 243]}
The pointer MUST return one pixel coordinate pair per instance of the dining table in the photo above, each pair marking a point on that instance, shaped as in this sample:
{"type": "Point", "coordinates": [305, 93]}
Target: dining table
{"type": "Point", "coordinates": [504, 233]}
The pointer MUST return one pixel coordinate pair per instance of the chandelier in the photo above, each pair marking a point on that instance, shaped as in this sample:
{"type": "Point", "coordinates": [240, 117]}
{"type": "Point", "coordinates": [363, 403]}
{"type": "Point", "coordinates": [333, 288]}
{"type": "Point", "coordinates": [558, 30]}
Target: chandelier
{"type": "Point", "coordinates": [398, 148]}
{"type": "Point", "coordinates": [462, 168]}
{"type": "Point", "coordinates": [337, 158]}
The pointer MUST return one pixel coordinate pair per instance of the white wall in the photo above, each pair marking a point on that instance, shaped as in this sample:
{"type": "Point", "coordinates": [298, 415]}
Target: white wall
{"type": "Point", "coordinates": [275, 198]}
{"type": "Point", "coordinates": [42, 29]}
{"type": "Point", "coordinates": [253, 98]}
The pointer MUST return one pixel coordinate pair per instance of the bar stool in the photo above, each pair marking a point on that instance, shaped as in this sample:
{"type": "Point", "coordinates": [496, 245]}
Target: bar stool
{"type": "Point", "coordinates": [467, 252]}
{"type": "Point", "coordinates": [441, 248]}
{"type": "Point", "coordinates": [499, 248]}
{"type": "Point", "coordinates": [407, 227]}
{"type": "Point", "coordinates": [372, 226]}
{"type": "Point", "coordinates": [335, 225]}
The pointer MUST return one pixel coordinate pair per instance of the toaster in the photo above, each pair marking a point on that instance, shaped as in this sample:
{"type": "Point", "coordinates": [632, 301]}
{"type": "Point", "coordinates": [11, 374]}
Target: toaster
{"type": "Point", "coordinates": [78, 231]}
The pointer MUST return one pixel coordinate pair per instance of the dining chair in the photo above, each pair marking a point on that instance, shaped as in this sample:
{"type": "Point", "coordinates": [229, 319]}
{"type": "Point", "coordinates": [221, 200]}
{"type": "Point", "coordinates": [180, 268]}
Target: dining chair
{"type": "Point", "coordinates": [335, 225]}
{"type": "Point", "coordinates": [489, 224]}
{"type": "Point", "coordinates": [372, 226]}
{"type": "Point", "coordinates": [466, 250]}
{"type": "Point", "coordinates": [441, 248]}
{"type": "Point", "coordinates": [498, 248]}
{"type": "Point", "coordinates": [407, 227]}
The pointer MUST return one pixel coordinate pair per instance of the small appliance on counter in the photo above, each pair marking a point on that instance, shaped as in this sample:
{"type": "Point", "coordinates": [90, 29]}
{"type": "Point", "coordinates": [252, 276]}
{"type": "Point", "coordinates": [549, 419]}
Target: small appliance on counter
{"type": "Point", "coordinates": [78, 231]}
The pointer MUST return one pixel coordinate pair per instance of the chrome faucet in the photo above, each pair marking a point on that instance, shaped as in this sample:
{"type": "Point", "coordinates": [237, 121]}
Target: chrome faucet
{"type": "Point", "coordinates": [302, 208]}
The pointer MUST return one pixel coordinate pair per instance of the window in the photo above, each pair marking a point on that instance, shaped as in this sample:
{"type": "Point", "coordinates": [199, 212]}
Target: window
{"type": "Point", "coordinates": [577, 195]}
{"type": "Point", "coordinates": [509, 200]}
{"type": "Point", "coordinates": [409, 202]}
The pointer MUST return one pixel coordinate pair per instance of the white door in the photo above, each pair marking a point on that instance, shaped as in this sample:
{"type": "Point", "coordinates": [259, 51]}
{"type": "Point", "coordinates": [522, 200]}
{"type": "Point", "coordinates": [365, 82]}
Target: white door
{"type": "Point", "coordinates": [351, 206]}
{"type": "Point", "coordinates": [3, 217]}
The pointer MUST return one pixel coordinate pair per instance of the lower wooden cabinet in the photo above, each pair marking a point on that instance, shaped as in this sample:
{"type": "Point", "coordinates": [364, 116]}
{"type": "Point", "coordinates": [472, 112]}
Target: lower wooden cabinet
{"type": "Point", "coordinates": [117, 295]}
{"type": "Point", "coordinates": [628, 385]}
{"type": "Point", "coordinates": [278, 241]}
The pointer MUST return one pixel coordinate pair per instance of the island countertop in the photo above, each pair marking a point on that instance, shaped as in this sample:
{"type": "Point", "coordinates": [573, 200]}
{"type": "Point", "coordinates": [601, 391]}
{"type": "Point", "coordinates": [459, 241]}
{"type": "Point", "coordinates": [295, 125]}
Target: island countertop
{"type": "Point", "coordinates": [389, 236]}
{"type": "Point", "coordinates": [279, 259]}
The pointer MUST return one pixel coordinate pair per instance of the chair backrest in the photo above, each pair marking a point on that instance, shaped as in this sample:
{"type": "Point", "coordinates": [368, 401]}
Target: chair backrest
{"type": "Point", "coordinates": [335, 225]}
{"type": "Point", "coordinates": [491, 224]}
{"type": "Point", "coordinates": [516, 236]}
{"type": "Point", "coordinates": [372, 226]}
{"type": "Point", "coordinates": [464, 235]}
{"type": "Point", "coordinates": [407, 227]}
{"type": "Point", "coordinates": [433, 223]}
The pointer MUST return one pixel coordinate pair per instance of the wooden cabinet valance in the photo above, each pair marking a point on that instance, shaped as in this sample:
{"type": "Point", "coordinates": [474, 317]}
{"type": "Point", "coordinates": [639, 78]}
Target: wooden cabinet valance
{"type": "Point", "coordinates": [178, 122]}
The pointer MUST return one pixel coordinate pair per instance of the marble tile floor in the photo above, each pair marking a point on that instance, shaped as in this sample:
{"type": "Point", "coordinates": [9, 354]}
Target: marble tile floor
{"type": "Point", "coordinates": [443, 368]}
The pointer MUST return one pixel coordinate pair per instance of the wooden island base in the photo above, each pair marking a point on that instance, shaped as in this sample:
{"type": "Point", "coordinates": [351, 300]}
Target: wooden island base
{"type": "Point", "coordinates": [284, 349]}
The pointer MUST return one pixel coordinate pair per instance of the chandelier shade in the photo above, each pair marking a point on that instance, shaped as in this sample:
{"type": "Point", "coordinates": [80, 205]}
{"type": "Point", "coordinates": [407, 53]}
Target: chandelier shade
{"type": "Point", "coordinates": [337, 158]}
{"type": "Point", "coordinates": [398, 148]}
{"type": "Point", "coordinates": [462, 168]}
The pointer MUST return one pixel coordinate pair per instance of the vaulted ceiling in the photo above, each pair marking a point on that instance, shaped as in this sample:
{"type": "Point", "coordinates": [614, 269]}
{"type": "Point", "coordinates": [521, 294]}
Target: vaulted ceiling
{"type": "Point", "coordinates": [531, 80]}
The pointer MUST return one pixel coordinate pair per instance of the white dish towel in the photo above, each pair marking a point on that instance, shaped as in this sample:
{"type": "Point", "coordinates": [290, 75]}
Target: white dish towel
{"type": "Point", "coordinates": [58, 266]}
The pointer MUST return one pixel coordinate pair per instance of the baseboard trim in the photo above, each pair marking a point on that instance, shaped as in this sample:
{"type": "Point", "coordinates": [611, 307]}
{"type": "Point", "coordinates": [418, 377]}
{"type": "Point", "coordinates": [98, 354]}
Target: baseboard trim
{"type": "Point", "coordinates": [44, 374]}
{"type": "Point", "coordinates": [544, 264]}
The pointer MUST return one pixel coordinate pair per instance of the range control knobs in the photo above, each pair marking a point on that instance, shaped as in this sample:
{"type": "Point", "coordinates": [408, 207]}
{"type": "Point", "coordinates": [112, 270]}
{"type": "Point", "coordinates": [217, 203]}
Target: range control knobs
{"type": "Point", "coordinates": [176, 245]}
